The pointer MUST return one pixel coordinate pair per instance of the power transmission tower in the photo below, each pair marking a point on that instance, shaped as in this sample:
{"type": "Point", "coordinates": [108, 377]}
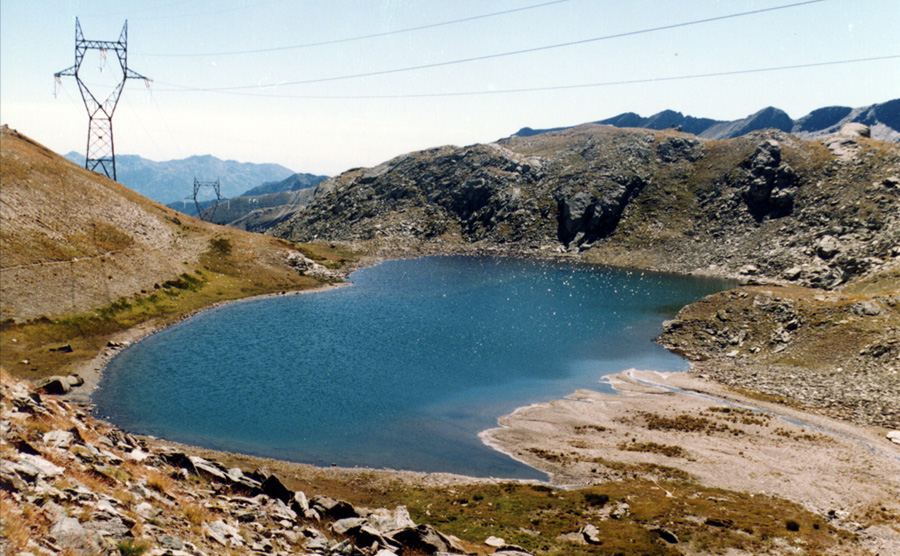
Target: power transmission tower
{"type": "Point", "coordinates": [213, 184]}
{"type": "Point", "coordinates": [101, 152]}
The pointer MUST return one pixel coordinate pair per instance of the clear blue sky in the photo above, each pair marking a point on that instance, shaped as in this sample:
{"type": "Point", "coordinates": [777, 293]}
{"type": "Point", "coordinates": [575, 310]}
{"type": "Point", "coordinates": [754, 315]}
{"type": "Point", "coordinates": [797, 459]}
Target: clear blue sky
{"type": "Point", "coordinates": [334, 124]}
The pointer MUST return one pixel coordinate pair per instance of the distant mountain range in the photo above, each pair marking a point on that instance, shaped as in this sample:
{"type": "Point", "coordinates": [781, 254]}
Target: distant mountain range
{"type": "Point", "coordinates": [883, 119]}
{"type": "Point", "coordinates": [173, 180]}
{"type": "Point", "coordinates": [257, 209]}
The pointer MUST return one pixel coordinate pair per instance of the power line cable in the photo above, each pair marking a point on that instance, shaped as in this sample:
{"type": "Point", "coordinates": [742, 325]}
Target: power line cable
{"type": "Point", "coordinates": [356, 38]}
{"type": "Point", "coordinates": [555, 87]}
{"type": "Point", "coordinates": [514, 52]}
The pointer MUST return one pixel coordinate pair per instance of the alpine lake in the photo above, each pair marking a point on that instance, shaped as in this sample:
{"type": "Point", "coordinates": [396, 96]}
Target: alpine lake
{"type": "Point", "coordinates": [402, 369]}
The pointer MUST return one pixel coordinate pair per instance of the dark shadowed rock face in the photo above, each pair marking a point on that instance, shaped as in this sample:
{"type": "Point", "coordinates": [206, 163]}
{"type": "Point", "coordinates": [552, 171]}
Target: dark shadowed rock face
{"type": "Point", "coordinates": [822, 118]}
{"type": "Point", "coordinates": [772, 183]}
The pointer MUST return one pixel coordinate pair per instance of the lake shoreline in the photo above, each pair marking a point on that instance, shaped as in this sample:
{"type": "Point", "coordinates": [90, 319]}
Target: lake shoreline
{"type": "Point", "coordinates": [527, 445]}
{"type": "Point", "coordinates": [573, 347]}
{"type": "Point", "coordinates": [92, 370]}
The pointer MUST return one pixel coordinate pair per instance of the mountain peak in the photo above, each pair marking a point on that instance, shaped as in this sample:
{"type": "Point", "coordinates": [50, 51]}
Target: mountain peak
{"type": "Point", "coordinates": [884, 119]}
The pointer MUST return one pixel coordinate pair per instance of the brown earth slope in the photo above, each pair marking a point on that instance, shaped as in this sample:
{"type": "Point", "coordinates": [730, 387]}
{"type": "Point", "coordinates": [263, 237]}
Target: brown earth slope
{"type": "Point", "coordinates": [83, 257]}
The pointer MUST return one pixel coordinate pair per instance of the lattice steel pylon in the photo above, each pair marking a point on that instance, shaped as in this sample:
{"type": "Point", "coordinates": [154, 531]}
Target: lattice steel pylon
{"type": "Point", "coordinates": [101, 152]}
{"type": "Point", "coordinates": [216, 186]}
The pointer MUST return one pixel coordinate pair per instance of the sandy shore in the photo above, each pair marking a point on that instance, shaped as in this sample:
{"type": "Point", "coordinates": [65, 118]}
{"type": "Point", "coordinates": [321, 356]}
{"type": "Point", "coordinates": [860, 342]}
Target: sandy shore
{"type": "Point", "coordinates": [92, 370]}
{"type": "Point", "coordinates": [718, 438]}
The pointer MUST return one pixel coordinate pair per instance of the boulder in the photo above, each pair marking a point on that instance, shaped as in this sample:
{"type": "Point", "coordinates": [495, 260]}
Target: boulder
{"type": "Point", "coordinates": [335, 509]}
{"type": "Point", "coordinates": [222, 533]}
{"type": "Point", "coordinates": [69, 534]}
{"type": "Point", "coordinates": [341, 526]}
{"type": "Point", "coordinates": [666, 535]}
{"type": "Point", "coordinates": [827, 247]}
{"type": "Point", "coordinates": [591, 534]}
{"type": "Point", "coordinates": [424, 538]}
{"type": "Point", "coordinates": [866, 309]}
{"type": "Point", "coordinates": [208, 469]}
{"type": "Point", "coordinates": [854, 129]}
{"type": "Point", "coordinates": [30, 467]}
{"type": "Point", "coordinates": [385, 520]}
{"type": "Point", "coordinates": [274, 488]}
{"type": "Point", "coordinates": [58, 385]}
{"type": "Point", "coordinates": [894, 436]}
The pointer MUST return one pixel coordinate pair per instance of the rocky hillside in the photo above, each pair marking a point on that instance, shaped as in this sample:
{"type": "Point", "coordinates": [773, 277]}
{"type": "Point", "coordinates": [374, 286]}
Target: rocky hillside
{"type": "Point", "coordinates": [837, 353]}
{"type": "Point", "coordinates": [766, 204]}
{"type": "Point", "coordinates": [292, 183]}
{"type": "Point", "coordinates": [882, 118]}
{"type": "Point", "coordinates": [822, 219]}
{"type": "Point", "coordinates": [72, 485]}
{"type": "Point", "coordinates": [258, 213]}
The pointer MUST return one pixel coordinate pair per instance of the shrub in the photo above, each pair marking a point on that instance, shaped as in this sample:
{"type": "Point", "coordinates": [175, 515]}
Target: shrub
{"type": "Point", "coordinates": [128, 547]}
{"type": "Point", "coordinates": [220, 246]}
{"type": "Point", "coordinates": [594, 499]}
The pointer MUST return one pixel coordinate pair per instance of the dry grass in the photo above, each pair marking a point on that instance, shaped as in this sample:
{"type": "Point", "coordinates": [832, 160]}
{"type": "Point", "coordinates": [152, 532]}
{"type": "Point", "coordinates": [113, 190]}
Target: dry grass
{"type": "Point", "coordinates": [14, 527]}
{"type": "Point", "coordinates": [160, 482]}
{"type": "Point", "coordinates": [196, 514]}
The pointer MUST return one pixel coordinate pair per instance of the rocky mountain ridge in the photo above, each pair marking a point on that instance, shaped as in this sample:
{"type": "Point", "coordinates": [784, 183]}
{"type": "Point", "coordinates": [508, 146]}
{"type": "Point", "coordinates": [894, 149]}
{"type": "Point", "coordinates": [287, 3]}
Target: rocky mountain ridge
{"type": "Point", "coordinates": [258, 213]}
{"type": "Point", "coordinates": [765, 204]}
{"type": "Point", "coordinates": [816, 223]}
{"type": "Point", "coordinates": [883, 119]}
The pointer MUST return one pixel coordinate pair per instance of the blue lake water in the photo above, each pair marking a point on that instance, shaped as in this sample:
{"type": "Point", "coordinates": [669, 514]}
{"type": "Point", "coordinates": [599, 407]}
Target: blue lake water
{"type": "Point", "coordinates": [401, 370]}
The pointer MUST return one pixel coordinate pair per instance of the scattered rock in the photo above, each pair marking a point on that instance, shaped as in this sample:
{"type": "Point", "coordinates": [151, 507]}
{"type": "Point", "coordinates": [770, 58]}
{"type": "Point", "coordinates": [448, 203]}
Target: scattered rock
{"type": "Point", "coordinates": [591, 534]}
{"type": "Point", "coordinates": [58, 385]}
{"type": "Point", "coordinates": [666, 535]}
{"type": "Point", "coordinates": [866, 309]}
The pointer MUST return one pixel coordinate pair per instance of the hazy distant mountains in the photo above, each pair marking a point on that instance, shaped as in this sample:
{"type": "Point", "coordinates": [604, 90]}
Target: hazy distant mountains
{"type": "Point", "coordinates": [883, 119]}
{"type": "Point", "coordinates": [173, 180]}
{"type": "Point", "coordinates": [262, 196]}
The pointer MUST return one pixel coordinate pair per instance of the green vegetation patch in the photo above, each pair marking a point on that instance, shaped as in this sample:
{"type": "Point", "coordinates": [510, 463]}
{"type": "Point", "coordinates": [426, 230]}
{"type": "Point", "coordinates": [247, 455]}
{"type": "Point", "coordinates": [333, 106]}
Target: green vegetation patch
{"type": "Point", "coordinates": [685, 423]}
{"type": "Point", "coordinates": [546, 521]}
{"type": "Point", "coordinates": [329, 255]}
{"type": "Point", "coordinates": [654, 448]}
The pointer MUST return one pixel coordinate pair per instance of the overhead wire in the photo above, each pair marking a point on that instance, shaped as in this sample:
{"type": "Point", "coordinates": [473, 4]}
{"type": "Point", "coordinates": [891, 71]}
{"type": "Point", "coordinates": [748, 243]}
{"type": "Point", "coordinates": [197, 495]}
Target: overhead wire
{"type": "Point", "coordinates": [558, 87]}
{"type": "Point", "coordinates": [355, 38]}
{"type": "Point", "coordinates": [508, 53]}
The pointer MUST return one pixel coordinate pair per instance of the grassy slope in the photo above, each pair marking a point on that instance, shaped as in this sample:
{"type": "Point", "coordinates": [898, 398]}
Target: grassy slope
{"type": "Point", "coordinates": [84, 257]}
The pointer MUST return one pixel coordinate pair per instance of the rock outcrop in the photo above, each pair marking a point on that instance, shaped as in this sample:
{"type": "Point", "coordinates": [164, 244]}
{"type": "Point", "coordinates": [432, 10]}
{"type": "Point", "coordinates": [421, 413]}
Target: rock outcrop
{"type": "Point", "coordinates": [661, 200]}
{"type": "Point", "coordinates": [72, 485]}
